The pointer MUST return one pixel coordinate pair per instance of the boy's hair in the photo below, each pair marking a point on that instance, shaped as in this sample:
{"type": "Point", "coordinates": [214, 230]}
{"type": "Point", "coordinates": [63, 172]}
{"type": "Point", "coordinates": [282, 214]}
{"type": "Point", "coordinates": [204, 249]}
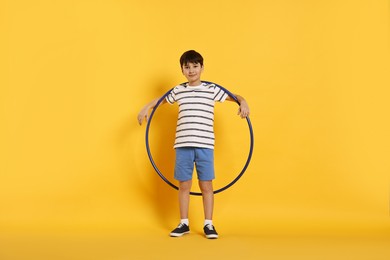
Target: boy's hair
{"type": "Point", "coordinates": [191, 56]}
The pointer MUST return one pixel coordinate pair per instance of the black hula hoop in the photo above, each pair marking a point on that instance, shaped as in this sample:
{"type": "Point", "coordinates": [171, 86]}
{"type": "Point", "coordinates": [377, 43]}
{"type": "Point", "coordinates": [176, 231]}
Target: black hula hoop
{"type": "Point", "coordinates": [165, 179]}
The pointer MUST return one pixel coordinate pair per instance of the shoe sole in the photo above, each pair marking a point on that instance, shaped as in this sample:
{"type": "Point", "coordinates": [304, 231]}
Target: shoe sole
{"type": "Point", "coordinates": [211, 236]}
{"type": "Point", "coordinates": [178, 234]}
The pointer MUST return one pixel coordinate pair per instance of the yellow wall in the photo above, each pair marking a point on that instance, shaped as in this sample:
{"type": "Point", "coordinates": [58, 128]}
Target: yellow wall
{"type": "Point", "coordinates": [74, 74]}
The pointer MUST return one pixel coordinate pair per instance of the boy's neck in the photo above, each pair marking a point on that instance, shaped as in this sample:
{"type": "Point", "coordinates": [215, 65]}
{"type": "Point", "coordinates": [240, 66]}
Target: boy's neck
{"type": "Point", "coordinates": [195, 83]}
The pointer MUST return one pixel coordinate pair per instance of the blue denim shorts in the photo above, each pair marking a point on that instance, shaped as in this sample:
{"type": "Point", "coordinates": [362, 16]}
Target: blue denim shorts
{"type": "Point", "coordinates": [187, 157]}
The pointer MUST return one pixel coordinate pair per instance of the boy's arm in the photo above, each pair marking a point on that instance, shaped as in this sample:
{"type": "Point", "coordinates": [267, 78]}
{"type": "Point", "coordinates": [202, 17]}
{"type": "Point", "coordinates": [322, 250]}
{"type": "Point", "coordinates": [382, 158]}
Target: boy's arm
{"type": "Point", "coordinates": [243, 111]}
{"type": "Point", "coordinates": [144, 113]}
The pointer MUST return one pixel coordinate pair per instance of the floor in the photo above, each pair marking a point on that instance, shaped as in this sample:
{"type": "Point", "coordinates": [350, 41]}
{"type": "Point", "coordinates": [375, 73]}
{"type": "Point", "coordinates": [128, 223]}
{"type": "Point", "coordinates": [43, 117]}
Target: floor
{"type": "Point", "coordinates": [156, 244]}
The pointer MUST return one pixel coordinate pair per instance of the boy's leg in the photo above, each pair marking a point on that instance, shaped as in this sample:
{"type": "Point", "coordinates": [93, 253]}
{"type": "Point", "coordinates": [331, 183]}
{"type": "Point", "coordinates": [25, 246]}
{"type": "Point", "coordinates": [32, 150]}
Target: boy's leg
{"type": "Point", "coordinates": [204, 160]}
{"type": "Point", "coordinates": [184, 167]}
{"type": "Point", "coordinates": [208, 205]}
{"type": "Point", "coordinates": [184, 202]}
{"type": "Point", "coordinates": [208, 198]}
{"type": "Point", "coordinates": [184, 198]}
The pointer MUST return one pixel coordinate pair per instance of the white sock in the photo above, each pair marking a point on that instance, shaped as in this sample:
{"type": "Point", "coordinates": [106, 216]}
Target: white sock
{"type": "Point", "coordinates": [185, 221]}
{"type": "Point", "coordinates": [208, 222]}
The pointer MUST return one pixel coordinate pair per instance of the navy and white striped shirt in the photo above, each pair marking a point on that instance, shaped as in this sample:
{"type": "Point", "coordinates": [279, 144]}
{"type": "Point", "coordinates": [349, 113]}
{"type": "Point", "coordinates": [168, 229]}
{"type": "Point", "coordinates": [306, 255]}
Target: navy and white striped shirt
{"type": "Point", "coordinates": [195, 123]}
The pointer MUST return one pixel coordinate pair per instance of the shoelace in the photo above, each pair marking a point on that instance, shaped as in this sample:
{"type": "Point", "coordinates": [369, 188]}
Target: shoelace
{"type": "Point", "coordinates": [210, 227]}
{"type": "Point", "coordinates": [180, 225]}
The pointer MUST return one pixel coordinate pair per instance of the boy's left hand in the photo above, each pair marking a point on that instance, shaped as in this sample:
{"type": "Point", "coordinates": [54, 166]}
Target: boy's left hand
{"type": "Point", "coordinates": [243, 111]}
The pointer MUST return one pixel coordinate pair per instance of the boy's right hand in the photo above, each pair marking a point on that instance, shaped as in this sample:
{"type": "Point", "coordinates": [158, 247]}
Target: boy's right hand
{"type": "Point", "coordinates": [144, 113]}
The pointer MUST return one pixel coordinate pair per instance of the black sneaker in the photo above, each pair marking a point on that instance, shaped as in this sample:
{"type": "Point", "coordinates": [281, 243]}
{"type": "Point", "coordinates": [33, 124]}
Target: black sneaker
{"type": "Point", "coordinates": [210, 231]}
{"type": "Point", "coordinates": [180, 230]}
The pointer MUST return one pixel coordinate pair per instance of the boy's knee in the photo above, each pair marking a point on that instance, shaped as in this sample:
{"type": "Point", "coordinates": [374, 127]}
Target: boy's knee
{"type": "Point", "coordinates": [185, 185]}
{"type": "Point", "coordinates": [206, 186]}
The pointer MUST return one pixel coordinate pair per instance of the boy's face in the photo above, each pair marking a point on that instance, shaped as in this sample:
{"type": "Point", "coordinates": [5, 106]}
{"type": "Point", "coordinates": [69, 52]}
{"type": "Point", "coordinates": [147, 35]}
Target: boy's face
{"type": "Point", "coordinates": [192, 72]}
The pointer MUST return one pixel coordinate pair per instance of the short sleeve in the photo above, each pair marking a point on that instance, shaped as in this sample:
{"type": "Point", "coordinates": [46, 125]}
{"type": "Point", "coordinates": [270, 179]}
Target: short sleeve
{"type": "Point", "coordinates": [219, 94]}
{"type": "Point", "coordinates": [171, 97]}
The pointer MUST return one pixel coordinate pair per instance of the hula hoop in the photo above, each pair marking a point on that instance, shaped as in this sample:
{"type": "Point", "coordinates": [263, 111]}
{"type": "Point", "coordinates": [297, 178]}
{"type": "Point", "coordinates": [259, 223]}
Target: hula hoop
{"type": "Point", "coordinates": [165, 179]}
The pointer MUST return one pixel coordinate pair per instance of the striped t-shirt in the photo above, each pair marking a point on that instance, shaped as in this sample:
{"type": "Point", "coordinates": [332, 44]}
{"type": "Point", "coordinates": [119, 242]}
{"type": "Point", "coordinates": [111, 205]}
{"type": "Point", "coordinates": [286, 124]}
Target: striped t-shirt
{"type": "Point", "coordinates": [195, 123]}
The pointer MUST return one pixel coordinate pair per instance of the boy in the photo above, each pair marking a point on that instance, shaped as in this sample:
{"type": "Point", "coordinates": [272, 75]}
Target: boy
{"type": "Point", "coordinates": [194, 143]}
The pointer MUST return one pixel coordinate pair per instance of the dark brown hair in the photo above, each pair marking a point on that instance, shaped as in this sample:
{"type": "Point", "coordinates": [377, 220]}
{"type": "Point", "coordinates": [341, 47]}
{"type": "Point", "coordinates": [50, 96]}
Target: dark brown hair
{"type": "Point", "coordinates": [191, 56]}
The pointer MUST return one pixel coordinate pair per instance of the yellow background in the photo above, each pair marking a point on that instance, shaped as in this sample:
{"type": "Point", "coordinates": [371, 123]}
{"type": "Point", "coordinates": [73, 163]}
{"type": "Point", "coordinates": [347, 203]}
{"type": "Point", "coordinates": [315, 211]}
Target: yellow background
{"type": "Point", "coordinates": [74, 173]}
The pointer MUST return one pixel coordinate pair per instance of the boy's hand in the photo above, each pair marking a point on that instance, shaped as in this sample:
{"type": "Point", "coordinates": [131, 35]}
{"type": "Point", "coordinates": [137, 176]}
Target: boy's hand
{"type": "Point", "coordinates": [243, 111]}
{"type": "Point", "coordinates": [143, 115]}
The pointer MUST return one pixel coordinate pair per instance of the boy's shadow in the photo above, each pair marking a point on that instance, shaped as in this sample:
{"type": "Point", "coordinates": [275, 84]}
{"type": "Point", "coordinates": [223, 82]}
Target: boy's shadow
{"type": "Point", "coordinates": [151, 188]}
{"type": "Point", "coordinates": [161, 139]}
